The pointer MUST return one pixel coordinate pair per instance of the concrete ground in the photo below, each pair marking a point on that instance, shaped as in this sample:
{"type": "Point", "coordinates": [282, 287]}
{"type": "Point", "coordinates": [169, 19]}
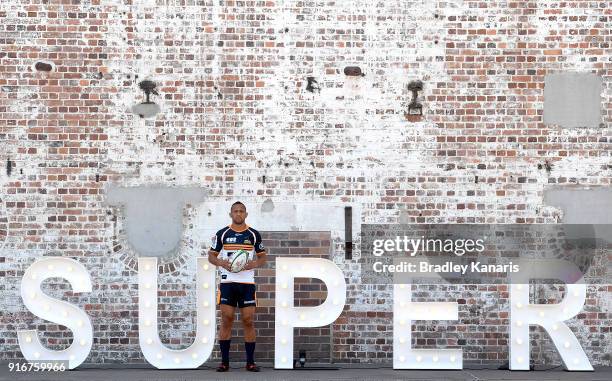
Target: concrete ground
{"type": "Point", "coordinates": [269, 374]}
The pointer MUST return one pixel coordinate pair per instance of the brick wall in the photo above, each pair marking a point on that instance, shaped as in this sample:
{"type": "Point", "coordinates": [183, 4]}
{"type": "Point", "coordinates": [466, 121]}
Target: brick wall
{"type": "Point", "coordinates": [256, 105]}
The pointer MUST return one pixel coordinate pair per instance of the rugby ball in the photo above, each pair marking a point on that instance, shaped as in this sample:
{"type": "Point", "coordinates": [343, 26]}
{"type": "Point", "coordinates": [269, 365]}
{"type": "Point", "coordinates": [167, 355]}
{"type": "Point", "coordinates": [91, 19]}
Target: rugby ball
{"type": "Point", "coordinates": [238, 260]}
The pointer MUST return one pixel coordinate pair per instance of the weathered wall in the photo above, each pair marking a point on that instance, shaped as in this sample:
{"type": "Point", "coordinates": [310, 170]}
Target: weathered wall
{"type": "Point", "coordinates": [256, 106]}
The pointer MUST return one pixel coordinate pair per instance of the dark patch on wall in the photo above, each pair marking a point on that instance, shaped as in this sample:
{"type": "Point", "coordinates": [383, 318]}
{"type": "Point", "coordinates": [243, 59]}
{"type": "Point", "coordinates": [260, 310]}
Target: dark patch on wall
{"type": "Point", "coordinates": [9, 167]}
{"type": "Point", "coordinates": [353, 71]}
{"type": "Point", "coordinates": [313, 85]}
{"type": "Point", "coordinates": [43, 66]}
{"type": "Point", "coordinates": [546, 166]}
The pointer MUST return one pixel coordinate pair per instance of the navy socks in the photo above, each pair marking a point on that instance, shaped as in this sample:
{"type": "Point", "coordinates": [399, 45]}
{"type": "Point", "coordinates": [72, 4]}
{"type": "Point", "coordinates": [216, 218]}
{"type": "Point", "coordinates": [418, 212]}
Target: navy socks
{"type": "Point", "coordinates": [250, 352]}
{"type": "Point", "coordinates": [224, 345]}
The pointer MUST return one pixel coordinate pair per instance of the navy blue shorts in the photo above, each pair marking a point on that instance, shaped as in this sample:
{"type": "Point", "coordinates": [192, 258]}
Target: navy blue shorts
{"type": "Point", "coordinates": [237, 294]}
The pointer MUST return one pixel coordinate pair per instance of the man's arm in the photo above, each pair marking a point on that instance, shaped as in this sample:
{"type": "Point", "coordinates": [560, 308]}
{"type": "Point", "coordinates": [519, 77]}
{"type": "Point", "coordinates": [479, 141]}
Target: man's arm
{"type": "Point", "coordinates": [261, 260]}
{"type": "Point", "coordinates": [214, 260]}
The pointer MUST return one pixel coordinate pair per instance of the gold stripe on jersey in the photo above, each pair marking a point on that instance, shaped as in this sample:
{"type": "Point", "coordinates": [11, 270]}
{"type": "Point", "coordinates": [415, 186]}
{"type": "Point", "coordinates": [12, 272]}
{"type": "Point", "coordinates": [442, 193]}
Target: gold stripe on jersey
{"type": "Point", "coordinates": [234, 247]}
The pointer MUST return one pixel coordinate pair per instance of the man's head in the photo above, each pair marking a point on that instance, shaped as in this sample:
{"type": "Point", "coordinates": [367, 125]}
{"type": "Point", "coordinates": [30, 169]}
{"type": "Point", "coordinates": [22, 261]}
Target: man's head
{"type": "Point", "coordinates": [238, 213]}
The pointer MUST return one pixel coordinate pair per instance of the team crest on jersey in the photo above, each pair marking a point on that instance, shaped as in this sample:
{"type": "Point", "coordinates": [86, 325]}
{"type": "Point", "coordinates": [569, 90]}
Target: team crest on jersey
{"type": "Point", "coordinates": [247, 242]}
{"type": "Point", "coordinates": [230, 240]}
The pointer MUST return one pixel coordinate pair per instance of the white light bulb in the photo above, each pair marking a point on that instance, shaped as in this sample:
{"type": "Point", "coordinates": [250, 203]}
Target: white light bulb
{"type": "Point", "coordinates": [284, 359]}
{"type": "Point", "coordinates": [284, 304]}
{"type": "Point", "coordinates": [402, 286]}
{"type": "Point", "coordinates": [336, 283]}
{"type": "Point", "coordinates": [284, 267]}
{"type": "Point", "coordinates": [148, 285]}
{"type": "Point", "coordinates": [566, 344]}
{"type": "Point", "coordinates": [322, 315]}
{"type": "Point", "coordinates": [147, 267]}
{"type": "Point", "coordinates": [28, 339]}
{"type": "Point", "coordinates": [205, 285]}
{"type": "Point", "coordinates": [206, 304]}
{"type": "Point", "coordinates": [82, 342]}
{"type": "Point", "coordinates": [576, 293]}
{"type": "Point", "coordinates": [402, 358]}
{"type": "Point", "coordinates": [206, 322]}
{"type": "Point", "coordinates": [402, 322]}
{"type": "Point", "coordinates": [71, 357]}
{"type": "Point", "coordinates": [177, 360]}
{"type": "Point", "coordinates": [419, 358]}
{"type": "Point", "coordinates": [284, 285]}
{"type": "Point", "coordinates": [147, 322]}
{"type": "Point", "coordinates": [519, 341]}
{"type": "Point", "coordinates": [284, 322]}
{"type": "Point", "coordinates": [576, 361]}
{"type": "Point", "coordinates": [159, 356]}
{"type": "Point", "coordinates": [402, 304]}
{"type": "Point", "coordinates": [555, 327]}
{"type": "Point", "coordinates": [453, 358]}
{"type": "Point", "coordinates": [64, 313]}
{"type": "Point", "coordinates": [302, 317]}
{"type": "Point", "coordinates": [402, 340]}
{"type": "Point", "coordinates": [69, 269]}
{"type": "Point", "coordinates": [519, 323]}
{"type": "Point", "coordinates": [519, 360]}
{"type": "Point", "coordinates": [36, 355]}
{"type": "Point", "coordinates": [283, 341]}
{"type": "Point", "coordinates": [435, 359]}
{"type": "Point", "coordinates": [194, 356]}
{"type": "Point", "coordinates": [34, 276]}
{"type": "Point", "coordinates": [519, 305]}
{"type": "Point", "coordinates": [80, 323]}
{"type": "Point", "coordinates": [32, 295]}
{"type": "Point", "coordinates": [321, 269]}
{"type": "Point", "coordinates": [519, 286]}
{"type": "Point", "coordinates": [51, 267]}
{"type": "Point", "coordinates": [205, 267]}
{"type": "Point", "coordinates": [149, 341]}
{"type": "Point", "coordinates": [205, 340]}
{"type": "Point", "coordinates": [148, 304]}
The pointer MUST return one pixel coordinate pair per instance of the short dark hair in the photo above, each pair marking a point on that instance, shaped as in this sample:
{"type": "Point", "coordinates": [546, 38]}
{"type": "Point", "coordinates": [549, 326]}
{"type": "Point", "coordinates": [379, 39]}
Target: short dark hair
{"type": "Point", "coordinates": [237, 203]}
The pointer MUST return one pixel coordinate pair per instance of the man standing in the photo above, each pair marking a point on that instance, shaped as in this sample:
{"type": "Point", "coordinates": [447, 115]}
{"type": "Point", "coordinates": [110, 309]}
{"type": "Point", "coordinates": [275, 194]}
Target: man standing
{"type": "Point", "coordinates": [237, 289]}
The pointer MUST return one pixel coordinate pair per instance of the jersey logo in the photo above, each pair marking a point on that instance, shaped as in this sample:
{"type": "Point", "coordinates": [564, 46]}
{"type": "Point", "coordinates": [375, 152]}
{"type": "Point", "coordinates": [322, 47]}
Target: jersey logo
{"type": "Point", "coordinates": [230, 240]}
{"type": "Point", "coordinates": [246, 241]}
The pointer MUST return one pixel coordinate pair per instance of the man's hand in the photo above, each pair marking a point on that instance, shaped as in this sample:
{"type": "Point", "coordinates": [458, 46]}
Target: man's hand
{"type": "Point", "coordinates": [225, 264]}
{"type": "Point", "coordinates": [250, 265]}
{"type": "Point", "coordinates": [213, 259]}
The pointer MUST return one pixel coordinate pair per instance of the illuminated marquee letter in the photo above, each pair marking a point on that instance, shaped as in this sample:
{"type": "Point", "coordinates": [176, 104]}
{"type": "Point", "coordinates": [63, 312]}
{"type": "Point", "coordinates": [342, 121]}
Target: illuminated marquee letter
{"type": "Point", "coordinates": [156, 353]}
{"type": "Point", "coordinates": [550, 317]}
{"type": "Point", "coordinates": [404, 312]}
{"type": "Point", "coordinates": [56, 311]}
{"type": "Point", "coordinates": [289, 317]}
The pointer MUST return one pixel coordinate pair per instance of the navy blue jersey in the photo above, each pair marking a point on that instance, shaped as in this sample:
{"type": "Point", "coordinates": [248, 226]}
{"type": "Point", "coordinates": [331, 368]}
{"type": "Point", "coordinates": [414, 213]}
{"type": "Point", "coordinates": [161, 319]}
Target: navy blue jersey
{"type": "Point", "coordinates": [227, 241]}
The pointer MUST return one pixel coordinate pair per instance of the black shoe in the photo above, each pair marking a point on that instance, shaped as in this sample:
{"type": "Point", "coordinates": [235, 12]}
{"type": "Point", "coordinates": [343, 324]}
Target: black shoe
{"type": "Point", "coordinates": [252, 368]}
{"type": "Point", "coordinates": [223, 368]}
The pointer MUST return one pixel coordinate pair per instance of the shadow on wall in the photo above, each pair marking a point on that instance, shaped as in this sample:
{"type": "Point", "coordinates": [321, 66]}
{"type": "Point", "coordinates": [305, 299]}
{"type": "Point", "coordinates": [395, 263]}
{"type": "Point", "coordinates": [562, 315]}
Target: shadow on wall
{"type": "Point", "coordinates": [154, 215]}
